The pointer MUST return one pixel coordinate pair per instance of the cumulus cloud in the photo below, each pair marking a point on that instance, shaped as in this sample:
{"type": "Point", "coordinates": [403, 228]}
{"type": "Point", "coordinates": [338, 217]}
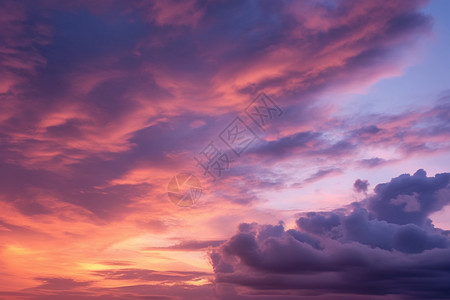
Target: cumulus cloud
{"type": "Point", "coordinates": [379, 246]}
{"type": "Point", "coordinates": [429, 193]}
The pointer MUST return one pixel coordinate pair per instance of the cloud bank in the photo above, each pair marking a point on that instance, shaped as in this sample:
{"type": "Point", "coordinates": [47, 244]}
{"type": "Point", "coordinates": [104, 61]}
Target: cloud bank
{"type": "Point", "coordinates": [385, 245]}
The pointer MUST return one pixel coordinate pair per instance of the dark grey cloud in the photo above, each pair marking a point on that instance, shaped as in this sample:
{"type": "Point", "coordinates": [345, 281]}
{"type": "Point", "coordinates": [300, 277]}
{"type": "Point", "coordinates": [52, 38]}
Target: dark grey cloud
{"type": "Point", "coordinates": [318, 223]}
{"type": "Point", "coordinates": [410, 199]}
{"type": "Point", "coordinates": [360, 185]}
{"type": "Point", "coordinates": [385, 245]}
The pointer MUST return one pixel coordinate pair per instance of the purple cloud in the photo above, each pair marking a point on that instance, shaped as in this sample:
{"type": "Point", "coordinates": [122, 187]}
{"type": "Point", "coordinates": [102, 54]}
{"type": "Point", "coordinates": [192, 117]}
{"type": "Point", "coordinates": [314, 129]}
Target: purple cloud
{"type": "Point", "coordinates": [430, 193]}
{"type": "Point", "coordinates": [61, 284]}
{"type": "Point", "coordinates": [361, 250]}
{"type": "Point", "coordinates": [361, 185]}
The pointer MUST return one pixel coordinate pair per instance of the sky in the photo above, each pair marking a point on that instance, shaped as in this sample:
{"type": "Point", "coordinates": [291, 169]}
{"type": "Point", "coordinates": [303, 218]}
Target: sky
{"type": "Point", "coordinates": [227, 150]}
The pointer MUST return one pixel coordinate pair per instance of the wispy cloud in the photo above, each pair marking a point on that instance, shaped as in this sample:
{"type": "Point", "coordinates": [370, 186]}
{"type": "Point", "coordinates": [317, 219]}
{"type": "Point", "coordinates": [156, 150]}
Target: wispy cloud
{"type": "Point", "coordinates": [102, 103]}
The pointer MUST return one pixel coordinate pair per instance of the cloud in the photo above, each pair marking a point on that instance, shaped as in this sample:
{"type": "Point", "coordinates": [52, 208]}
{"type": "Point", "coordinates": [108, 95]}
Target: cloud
{"type": "Point", "coordinates": [19, 58]}
{"type": "Point", "coordinates": [363, 249]}
{"type": "Point", "coordinates": [366, 130]}
{"type": "Point", "coordinates": [372, 162]}
{"type": "Point", "coordinates": [361, 185]}
{"type": "Point", "coordinates": [113, 112]}
{"type": "Point", "coordinates": [94, 98]}
{"type": "Point", "coordinates": [190, 245]}
{"type": "Point", "coordinates": [342, 144]}
{"type": "Point", "coordinates": [65, 288]}
{"type": "Point", "coordinates": [150, 275]}
{"type": "Point", "coordinates": [288, 144]}
{"type": "Point", "coordinates": [176, 13]}
{"type": "Point", "coordinates": [102, 102]}
{"type": "Point", "coordinates": [323, 173]}
{"type": "Point", "coordinates": [60, 284]}
{"type": "Point", "coordinates": [430, 193]}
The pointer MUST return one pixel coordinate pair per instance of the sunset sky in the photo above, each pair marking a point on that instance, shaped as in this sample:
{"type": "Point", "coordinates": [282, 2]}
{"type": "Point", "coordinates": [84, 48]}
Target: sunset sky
{"type": "Point", "coordinates": [342, 193]}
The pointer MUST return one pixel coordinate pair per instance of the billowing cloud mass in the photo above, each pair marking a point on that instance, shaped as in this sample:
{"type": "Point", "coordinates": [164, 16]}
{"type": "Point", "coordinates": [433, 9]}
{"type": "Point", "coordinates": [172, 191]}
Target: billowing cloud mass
{"type": "Point", "coordinates": [102, 103]}
{"type": "Point", "coordinates": [383, 246]}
